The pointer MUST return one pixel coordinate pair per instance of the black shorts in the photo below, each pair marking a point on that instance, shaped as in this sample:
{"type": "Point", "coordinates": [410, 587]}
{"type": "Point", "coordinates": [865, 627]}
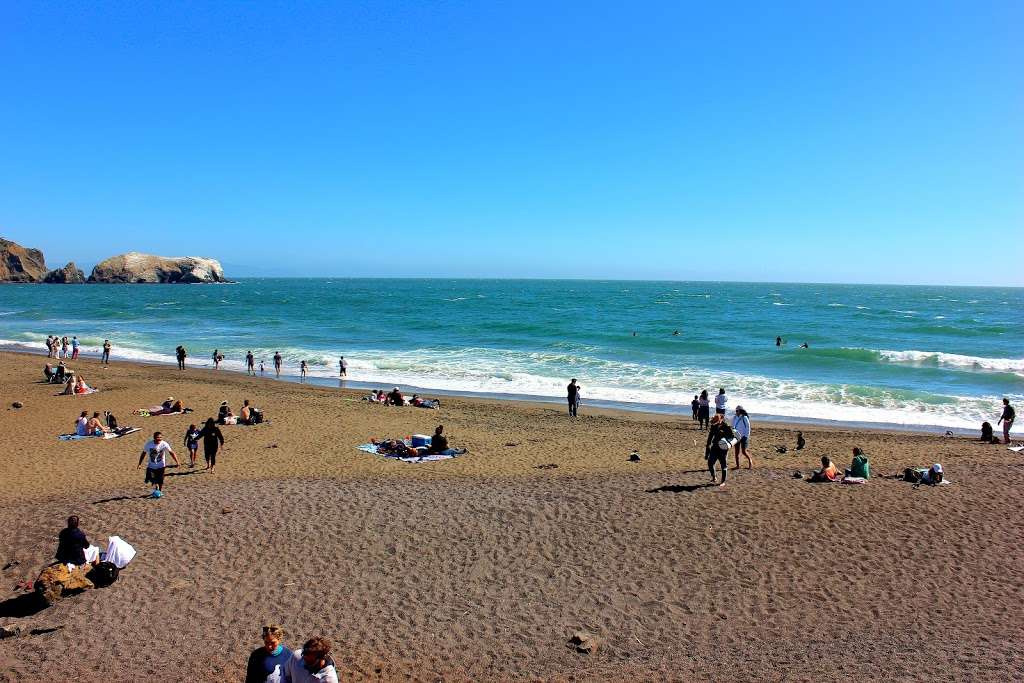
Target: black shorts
{"type": "Point", "coordinates": [743, 442]}
{"type": "Point", "coordinates": [210, 456]}
{"type": "Point", "coordinates": [155, 475]}
{"type": "Point", "coordinates": [719, 411]}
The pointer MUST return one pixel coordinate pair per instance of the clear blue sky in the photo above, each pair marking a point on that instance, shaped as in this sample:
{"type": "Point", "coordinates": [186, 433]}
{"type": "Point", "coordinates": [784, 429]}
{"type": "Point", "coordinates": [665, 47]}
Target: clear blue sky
{"type": "Point", "coordinates": [798, 141]}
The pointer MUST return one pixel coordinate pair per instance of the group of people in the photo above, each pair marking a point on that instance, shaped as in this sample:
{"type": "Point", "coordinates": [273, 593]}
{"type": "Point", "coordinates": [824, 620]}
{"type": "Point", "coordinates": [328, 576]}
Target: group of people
{"type": "Point", "coordinates": [701, 407]}
{"type": "Point", "coordinates": [438, 446]}
{"type": "Point", "coordinates": [62, 347]}
{"type": "Point", "coordinates": [395, 397]}
{"type": "Point", "coordinates": [181, 353]}
{"type": "Point", "coordinates": [248, 415]}
{"type": "Point", "coordinates": [860, 468]}
{"type": "Point", "coordinates": [723, 437]}
{"type": "Point", "coordinates": [275, 663]}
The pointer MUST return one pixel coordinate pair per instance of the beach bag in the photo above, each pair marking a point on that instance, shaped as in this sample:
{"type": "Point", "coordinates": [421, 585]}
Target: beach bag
{"type": "Point", "coordinates": [104, 574]}
{"type": "Point", "coordinates": [256, 415]}
{"type": "Point", "coordinates": [726, 444]}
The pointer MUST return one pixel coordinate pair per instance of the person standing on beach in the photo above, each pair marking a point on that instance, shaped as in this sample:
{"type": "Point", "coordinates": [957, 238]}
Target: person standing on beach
{"type": "Point", "coordinates": [695, 406]}
{"type": "Point", "coordinates": [313, 663]}
{"type": "Point", "coordinates": [250, 364]}
{"type": "Point", "coordinates": [216, 359]}
{"type": "Point", "coordinates": [157, 451]}
{"type": "Point", "coordinates": [720, 402]}
{"type": "Point", "coordinates": [74, 348]}
{"type": "Point", "coordinates": [718, 430]}
{"type": "Point", "coordinates": [269, 664]}
{"type": "Point", "coordinates": [277, 363]}
{"type": "Point", "coordinates": [302, 369]}
{"type": "Point", "coordinates": [703, 411]}
{"type": "Point", "coordinates": [741, 427]}
{"type": "Point", "coordinates": [572, 395]}
{"type": "Point", "coordinates": [181, 353]}
{"type": "Point", "coordinates": [1006, 419]}
{"type": "Point", "coordinates": [342, 367]}
{"type": "Point", "coordinates": [261, 368]}
{"type": "Point", "coordinates": [213, 440]}
{"type": "Point", "coordinates": [105, 358]}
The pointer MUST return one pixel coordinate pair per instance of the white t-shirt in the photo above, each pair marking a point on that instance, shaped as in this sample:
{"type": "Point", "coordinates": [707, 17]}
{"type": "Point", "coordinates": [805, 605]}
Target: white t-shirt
{"type": "Point", "coordinates": [298, 673]}
{"type": "Point", "coordinates": [157, 454]}
{"type": "Point", "coordinates": [720, 401]}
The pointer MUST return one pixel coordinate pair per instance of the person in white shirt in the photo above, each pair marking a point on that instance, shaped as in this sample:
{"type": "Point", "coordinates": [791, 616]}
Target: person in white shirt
{"type": "Point", "coordinates": [80, 424]}
{"type": "Point", "coordinates": [741, 426]}
{"type": "Point", "coordinates": [313, 663]}
{"type": "Point", "coordinates": [157, 451]}
{"type": "Point", "coordinates": [720, 402]}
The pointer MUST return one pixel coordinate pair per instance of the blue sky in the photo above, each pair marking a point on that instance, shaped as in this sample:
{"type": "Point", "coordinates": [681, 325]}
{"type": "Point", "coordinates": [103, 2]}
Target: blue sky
{"type": "Point", "coordinates": [796, 141]}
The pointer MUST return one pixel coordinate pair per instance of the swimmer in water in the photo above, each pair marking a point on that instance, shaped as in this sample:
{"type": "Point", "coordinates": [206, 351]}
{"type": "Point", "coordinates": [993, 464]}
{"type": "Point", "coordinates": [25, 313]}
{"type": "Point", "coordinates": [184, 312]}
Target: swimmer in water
{"type": "Point", "coordinates": [804, 346]}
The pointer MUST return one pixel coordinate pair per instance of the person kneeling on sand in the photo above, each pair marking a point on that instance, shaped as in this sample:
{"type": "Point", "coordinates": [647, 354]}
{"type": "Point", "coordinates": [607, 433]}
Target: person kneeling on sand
{"type": "Point", "coordinates": [72, 544]}
{"type": "Point", "coordinates": [269, 664]}
{"type": "Point", "coordinates": [827, 473]}
{"type": "Point", "coordinates": [860, 467]}
{"type": "Point", "coordinates": [313, 663]}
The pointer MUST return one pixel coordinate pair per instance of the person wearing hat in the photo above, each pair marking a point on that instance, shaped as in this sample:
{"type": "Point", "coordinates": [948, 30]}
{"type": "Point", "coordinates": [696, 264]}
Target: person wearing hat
{"type": "Point", "coordinates": [933, 476]}
{"type": "Point", "coordinates": [269, 663]}
{"type": "Point", "coordinates": [395, 398]}
{"type": "Point", "coordinates": [741, 426]}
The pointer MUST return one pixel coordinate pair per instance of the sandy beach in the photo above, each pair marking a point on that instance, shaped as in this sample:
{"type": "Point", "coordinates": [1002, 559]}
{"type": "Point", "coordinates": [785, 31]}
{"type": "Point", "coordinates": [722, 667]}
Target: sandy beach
{"type": "Point", "coordinates": [481, 568]}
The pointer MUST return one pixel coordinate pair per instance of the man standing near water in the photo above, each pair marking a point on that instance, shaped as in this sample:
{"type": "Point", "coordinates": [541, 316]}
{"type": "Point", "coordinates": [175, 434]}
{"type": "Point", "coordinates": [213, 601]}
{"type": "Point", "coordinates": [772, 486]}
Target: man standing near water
{"type": "Point", "coordinates": [572, 395]}
{"type": "Point", "coordinates": [181, 353]}
{"type": "Point", "coordinates": [342, 367]}
{"type": "Point", "coordinates": [1007, 419]}
{"type": "Point", "coordinates": [250, 364]}
{"type": "Point", "coordinates": [720, 402]}
{"type": "Point", "coordinates": [105, 358]}
{"type": "Point", "coordinates": [277, 363]}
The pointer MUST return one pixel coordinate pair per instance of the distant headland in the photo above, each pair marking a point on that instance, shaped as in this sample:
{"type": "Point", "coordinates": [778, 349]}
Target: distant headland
{"type": "Point", "coordinates": [21, 264]}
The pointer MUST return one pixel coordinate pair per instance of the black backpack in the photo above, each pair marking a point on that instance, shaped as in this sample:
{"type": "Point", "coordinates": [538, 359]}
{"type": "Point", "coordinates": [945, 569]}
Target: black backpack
{"type": "Point", "coordinates": [256, 415]}
{"type": "Point", "coordinates": [103, 574]}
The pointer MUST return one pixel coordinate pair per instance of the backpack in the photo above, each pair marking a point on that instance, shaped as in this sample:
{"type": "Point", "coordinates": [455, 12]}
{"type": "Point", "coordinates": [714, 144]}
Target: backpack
{"type": "Point", "coordinates": [256, 416]}
{"type": "Point", "coordinates": [104, 574]}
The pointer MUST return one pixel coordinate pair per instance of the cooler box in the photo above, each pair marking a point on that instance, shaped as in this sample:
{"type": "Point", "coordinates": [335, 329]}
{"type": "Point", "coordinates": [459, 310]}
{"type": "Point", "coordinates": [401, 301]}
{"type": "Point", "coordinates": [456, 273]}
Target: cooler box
{"type": "Point", "coordinates": [420, 440]}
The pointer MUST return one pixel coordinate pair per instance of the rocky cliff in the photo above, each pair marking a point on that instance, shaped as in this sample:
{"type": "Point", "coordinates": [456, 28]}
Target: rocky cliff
{"type": "Point", "coordinates": [68, 275]}
{"type": "Point", "coordinates": [18, 264]}
{"type": "Point", "coordinates": [135, 267]}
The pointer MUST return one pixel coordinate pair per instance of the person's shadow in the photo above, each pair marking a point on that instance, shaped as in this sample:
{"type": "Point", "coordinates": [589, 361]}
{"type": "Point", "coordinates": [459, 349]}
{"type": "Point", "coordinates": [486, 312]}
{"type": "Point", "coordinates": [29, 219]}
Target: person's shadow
{"type": "Point", "coordinates": [681, 488]}
{"type": "Point", "coordinates": [21, 606]}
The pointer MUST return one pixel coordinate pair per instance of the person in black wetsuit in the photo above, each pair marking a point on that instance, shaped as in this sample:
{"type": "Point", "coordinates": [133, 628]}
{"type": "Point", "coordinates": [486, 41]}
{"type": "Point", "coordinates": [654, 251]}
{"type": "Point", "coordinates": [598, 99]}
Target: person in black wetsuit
{"type": "Point", "coordinates": [71, 543]}
{"type": "Point", "coordinates": [181, 353]}
{"type": "Point", "coordinates": [212, 441]}
{"type": "Point", "coordinates": [572, 392]}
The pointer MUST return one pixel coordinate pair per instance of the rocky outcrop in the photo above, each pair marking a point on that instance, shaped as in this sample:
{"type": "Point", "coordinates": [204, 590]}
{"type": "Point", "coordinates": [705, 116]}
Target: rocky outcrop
{"type": "Point", "coordinates": [135, 267]}
{"type": "Point", "coordinates": [68, 275]}
{"type": "Point", "coordinates": [18, 264]}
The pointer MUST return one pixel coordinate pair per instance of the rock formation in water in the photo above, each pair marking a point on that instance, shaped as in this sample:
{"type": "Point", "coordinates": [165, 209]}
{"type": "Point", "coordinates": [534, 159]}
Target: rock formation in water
{"type": "Point", "coordinates": [135, 267]}
{"type": "Point", "coordinates": [18, 264]}
{"type": "Point", "coordinates": [68, 275]}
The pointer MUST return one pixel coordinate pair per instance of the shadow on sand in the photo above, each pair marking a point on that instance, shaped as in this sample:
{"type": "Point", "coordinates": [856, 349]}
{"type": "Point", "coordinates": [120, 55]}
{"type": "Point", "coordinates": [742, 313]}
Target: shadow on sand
{"type": "Point", "coordinates": [681, 488]}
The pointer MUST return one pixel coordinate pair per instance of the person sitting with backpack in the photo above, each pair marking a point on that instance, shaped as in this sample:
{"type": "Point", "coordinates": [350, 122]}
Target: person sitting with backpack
{"type": "Point", "coordinates": [250, 415]}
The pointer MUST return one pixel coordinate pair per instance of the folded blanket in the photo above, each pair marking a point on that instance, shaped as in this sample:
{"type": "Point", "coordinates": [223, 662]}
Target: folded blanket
{"type": "Point", "coordinates": [109, 435]}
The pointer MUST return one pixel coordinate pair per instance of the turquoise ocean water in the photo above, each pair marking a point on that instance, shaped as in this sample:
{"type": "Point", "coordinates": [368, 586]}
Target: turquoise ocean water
{"type": "Point", "coordinates": [886, 355]}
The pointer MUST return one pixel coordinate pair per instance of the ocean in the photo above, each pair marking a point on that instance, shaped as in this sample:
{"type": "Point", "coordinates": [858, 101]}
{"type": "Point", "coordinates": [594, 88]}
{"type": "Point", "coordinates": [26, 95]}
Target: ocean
{"type": "Point", "coordinates": [896, 356]}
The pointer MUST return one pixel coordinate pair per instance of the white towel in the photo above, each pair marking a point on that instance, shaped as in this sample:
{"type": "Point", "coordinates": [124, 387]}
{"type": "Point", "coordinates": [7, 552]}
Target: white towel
{"type": "Point", "coordinates": [119, 552]}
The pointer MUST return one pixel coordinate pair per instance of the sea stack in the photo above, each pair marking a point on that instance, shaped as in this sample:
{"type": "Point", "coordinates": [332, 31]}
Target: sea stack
{"type": "Point", "coordinates": [134, 267]}
{"type": "Point", "coordinates": [19, 264]}
{"type": "Point", "coordinates": [68, 275]}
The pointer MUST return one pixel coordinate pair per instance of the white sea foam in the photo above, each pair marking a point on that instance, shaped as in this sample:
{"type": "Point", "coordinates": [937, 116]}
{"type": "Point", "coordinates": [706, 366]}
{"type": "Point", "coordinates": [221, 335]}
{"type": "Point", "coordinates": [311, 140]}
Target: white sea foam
{"type": "Point", "coordinates": [954, 360]}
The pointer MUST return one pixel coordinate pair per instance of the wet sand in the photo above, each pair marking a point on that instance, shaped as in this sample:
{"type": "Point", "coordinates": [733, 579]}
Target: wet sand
{"type": "Point", "coordinates": [481, 568]}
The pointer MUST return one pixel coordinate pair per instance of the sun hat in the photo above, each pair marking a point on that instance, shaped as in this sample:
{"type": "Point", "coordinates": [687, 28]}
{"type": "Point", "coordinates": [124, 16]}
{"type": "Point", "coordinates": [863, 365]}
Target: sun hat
{"type": "Point", "coordinates": [937, 467]}
{"type": "Point", "coordinates": [170, 398]}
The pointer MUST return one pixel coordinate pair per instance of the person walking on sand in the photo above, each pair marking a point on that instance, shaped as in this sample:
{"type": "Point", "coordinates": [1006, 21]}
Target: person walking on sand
{"type": "Point", "coordinates": [1006, 419]}
{"type": "Point", "coordinates": [703, 411]}
{"type": "Point", "coordinates": [105, 358]}
{"type": "Point", "coordinates": [250, 364]}
{"type": "Point", "coordinates": [157, 451]}
{"type": "Point", "coordinates": [741, 427]}
{"type": "Point", "coordinates": [572, 396]}
{"type": "Point", "coordinates": [213, 440]}
{"type": "Point", "coordinates": [719, 435]}
{"type": "Point", "coordinates": [181, 353]}
{"type": "Point", "coordinates": [342, 367]}
{"type": "Point", "coordinates": [269, 663]}
{"type": "Point", "coordinates": [720, 402]}
{"type": "Point", "coordinates": [277, 363]}
{"type": "Point", "coordinates": [313, 663]}
{"type": "Point", "coordinates": [192, 444]}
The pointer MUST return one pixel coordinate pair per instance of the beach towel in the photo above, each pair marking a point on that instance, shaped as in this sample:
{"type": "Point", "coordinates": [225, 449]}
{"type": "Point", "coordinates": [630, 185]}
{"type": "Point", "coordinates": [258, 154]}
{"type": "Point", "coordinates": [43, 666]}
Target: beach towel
{"type": "Point", "coordinates": [433, 457]}
{"type": "Point", "coordinates": [109, 435]}
{"type": "Point", "coordinates": [88, 391]}
{"type": "Point", "coordinates": [1015, 449]}
{"type": "Point", "coordinates": [854, 480]}
{"type": "Point", "coordinates": [152, 412]}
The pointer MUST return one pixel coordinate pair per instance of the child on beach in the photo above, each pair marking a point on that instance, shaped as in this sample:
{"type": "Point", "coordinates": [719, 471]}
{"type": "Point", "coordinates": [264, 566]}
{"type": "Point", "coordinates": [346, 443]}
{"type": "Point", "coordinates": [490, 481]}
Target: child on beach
{"type": "Point", "coordinates": [192, 444]}
{"type": "Point", "coordinates": [827, 473]}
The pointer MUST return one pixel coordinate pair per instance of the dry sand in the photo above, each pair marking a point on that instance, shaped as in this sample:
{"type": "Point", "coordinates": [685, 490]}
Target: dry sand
{"type": "Point", "coordinates": [481, 568]}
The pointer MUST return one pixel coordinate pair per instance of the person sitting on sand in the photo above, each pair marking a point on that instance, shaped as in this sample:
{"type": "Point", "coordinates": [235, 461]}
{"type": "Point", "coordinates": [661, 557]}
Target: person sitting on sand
{"type": "Point", "coordinates": [933, 475]}
{"type": "Point", "coordinates": [245, 414]}
{"type": "Point", "coordinates": [81, 422]}
{"type": "Point", "coordinates": [439, 443]}
{"type": "Point", "coordinates": [72, 544]}
{"type": "Point", "coordinates": [81, 387]}
{"type": "Point", "coordinates": [269, 664]}
{"type": "Point", "coordinates": [313, 663]}
{"type": "Point", "coordinates": [225, 416]}
{"type": "Point", "coordinates": [827, 473]}
{"type": "Point", "coordinates": [860, 467]}
{"type": "Point", "coordinates": [988, 434]}
{"type": "Point", "coordinates": [800, 441]}
{"type": "Point", "coordinates": [95, 426]}
{"type": "Point", "coordinates": [48, 372]}
{"type": "Point", "coordinates": [395, 398]}
{"type": "Point", "coordinates": [69, 386]}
